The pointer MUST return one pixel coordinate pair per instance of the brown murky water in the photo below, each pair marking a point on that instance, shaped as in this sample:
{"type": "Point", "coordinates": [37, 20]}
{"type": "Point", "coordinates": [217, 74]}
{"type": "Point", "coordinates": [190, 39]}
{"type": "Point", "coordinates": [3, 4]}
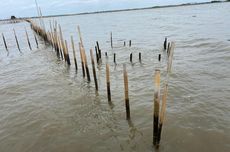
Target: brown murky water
{"type": "Point", "coordinates": [45, 106]}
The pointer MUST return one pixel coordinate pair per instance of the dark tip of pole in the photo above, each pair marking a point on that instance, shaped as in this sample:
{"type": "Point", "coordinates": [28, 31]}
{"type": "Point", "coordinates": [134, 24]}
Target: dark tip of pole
{"type": "Point", "coordinates": [124, 43]}
{"type": "Point", "coordinates": [131, 57]}
{"type": "Point", "coordinates": [165, 44]}
{"type": "Point", "coordinates": [106, 54]}
{"type": "Point", "coordinates": [140, 56]}
{"type": "Point", "coordinates": [130, 43]}
{"type": "Point", "coordinates": [159, 57]}
{"type": "Point", "coordinates": [114, 57]}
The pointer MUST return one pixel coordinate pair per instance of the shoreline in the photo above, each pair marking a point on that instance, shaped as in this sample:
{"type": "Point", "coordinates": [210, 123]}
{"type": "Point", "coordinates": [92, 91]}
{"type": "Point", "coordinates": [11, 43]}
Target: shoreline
{"type": "Point", "coordinates": [120, 10]}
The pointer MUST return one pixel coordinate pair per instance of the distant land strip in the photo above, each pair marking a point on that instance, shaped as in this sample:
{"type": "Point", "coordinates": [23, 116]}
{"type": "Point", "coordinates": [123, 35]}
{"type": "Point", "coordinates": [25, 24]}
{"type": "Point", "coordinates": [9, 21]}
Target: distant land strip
{"type": "Point", "coordinates": [121, 10]}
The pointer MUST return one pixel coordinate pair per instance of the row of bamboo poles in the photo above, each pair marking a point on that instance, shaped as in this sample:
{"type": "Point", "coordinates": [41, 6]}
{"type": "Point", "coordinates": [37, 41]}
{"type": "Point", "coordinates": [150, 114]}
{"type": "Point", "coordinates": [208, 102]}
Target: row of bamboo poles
{"type": "Point", "coordinates": [17, 42]}
{"type": "Point", "coordinates": [55, 38]}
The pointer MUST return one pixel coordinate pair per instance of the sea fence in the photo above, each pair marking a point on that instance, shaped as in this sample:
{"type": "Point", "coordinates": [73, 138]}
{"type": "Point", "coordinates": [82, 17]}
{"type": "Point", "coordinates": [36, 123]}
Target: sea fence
{"type": "Point", "coordinates": [53, 36]}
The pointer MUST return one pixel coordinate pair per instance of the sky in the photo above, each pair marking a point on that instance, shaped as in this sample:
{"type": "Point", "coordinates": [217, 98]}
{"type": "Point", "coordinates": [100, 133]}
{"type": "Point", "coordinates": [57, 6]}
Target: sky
{"type": "Point", "coordinates": [27, 8]}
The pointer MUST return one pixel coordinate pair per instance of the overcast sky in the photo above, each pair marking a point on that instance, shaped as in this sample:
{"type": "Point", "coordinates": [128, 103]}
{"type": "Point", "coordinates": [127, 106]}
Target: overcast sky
{"type": "Point", "coordinates": [26, 8]}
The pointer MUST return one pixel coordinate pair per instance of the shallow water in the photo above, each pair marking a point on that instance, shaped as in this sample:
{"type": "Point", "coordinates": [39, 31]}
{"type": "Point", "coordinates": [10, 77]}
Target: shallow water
{"type": "Point", "coordinates": [46, 106]}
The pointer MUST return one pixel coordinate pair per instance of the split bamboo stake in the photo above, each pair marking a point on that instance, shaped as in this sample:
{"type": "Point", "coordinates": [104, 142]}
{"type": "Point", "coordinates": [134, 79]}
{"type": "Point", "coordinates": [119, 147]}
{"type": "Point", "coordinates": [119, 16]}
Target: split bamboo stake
{"type": "Point", "coordinates": [60, 47]}
{"type": "Point", "coordinates": [94, 69]}
{"type": "Point", "coordinates": [17, 41]}
{"type": "Point", "coordinates": [4, 40]}
{"type": "Point", "coordinates": [82, 60]}
{"type": "Point", "coordinates": [28, 40]}
{"type": "Point", "coordinates": [74, 53]}
{"type": "Point", "coordinates": [108, 82]}
{"type": "Point", "coordinates": [156, 106]}
{"type": "Point", "coordinates": [67, 53]}
{"type": "Point", "coordinates": [162, 113]}
{"type": "Point", "coordinates": [126, 92]}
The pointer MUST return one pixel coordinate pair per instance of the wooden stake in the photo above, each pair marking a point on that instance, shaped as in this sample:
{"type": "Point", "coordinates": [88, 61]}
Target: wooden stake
{"type": "Point", "coordinates": [98, 49]}
{"type": "Point", "coordinates": [4, 40]}
{"type": "Point", "coordinates": [111, 39]}
{"type": "Point", "coordinates": [17, 41]}
{"type": "Point", "coordinates": [86, 64]}
{"type": "Point", "coordinates": [94, 70]}
{"type": "Point", "coordinates": [97, 57]}
{"type": "Point", "coordinates": [162, 113]}
{"type": "Point", "coordinates": [36, 40]}
{"type": "Point", "coordinates": [126, 92]}
{"type": "Point", "coordinates": [165, 44]}
{"type": "Point", "coordinates": [67, 53]}
{"type": "Point", "coordinates": [28, 40]}
{"type": "Point", "coordinates": [170, 57]}
{"type": "Point", "coordinates": [74, 53]}
{"type": "Point", "coordinates": [130, 43]}
{"type": "Point", "coordinates": [108, 82]}
{"type": "Point", "coordinates": [79, 33]}
{"type": "Point", "coordinates": [82, 60]}
{"type": "Point", "coordinates": [159, 57]}
{"type": "Point", "coordinates": [124, 43]}
{"type": "Point", "coordinates": [156, 106]}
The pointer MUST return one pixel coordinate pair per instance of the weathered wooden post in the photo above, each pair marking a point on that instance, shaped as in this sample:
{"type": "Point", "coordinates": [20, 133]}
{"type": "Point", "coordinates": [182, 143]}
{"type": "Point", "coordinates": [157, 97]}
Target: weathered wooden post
{"type": "Point", "coordinates": [74, 53]}
{"type": "Point", "coordinates": [165, 44]}
{"type": "Point", "coordinates": [114, 57]}
{"type": "Point", "coordinates": [17, 41]}
{"type": "Point", "coordinates": [130, 43]}
{"type": "Point", "coordinates": [28, 40]}
{"type": "Point", "coordinates": [131, 57]}
{"type": "Point", "coordinates": [67, 53]}
{"type": "Point", "coordinates": [82, 60]}
{"type": "Point", "coordinates": [108, 83]}
{"type": "Point", "coordinates": [4, 40]}
{"type": "Point", "coordinates": [126, 92]}
{"type": "Point", "coordinates": [36, 40]}
{"type": "Point", "coordinates": [94, 70]}
{"type": "Point", "coordinates": [139, 56]}
{"type": "Point", "coordinates": [156, 106]}
{"type": "Point", "coordinates": [111, 39]}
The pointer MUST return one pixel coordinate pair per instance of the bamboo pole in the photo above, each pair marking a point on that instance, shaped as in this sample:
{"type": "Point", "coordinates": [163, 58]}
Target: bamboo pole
{"type": "Point", "coordinates": [79, 33]}
{"type": "Point", "coordinates": [170, 57]}
{"type": "Point", "coordinates": [67, 53]}
{"type": "Point", "coordinates": [82, 60]}
{"type": "Point", "coordinates": [124, 43]}
{"type": "Point", "coordinates": [17, 41]}
{"type": "Point", "coordinates": [60, 47]}
{"type": "Point", "coordinates": [74, 53]}
{"type": "Point", "coordinates": [108, 83]}
{"type": "Point", "coordinates": [28, 40]}
{"type": "Point", "coordinates": [86, 65]}
{"type": "Point", "coordinates": [97, 57]}
{"type": "Point", "coordinates": [98, 49]}
{"type": "Point", "coordinates": [162, 113]}
{"type": "Point", "coordinates": [126, 92]}
{"type": "Point", "coordinates": [36, 40]}
{"type": "Point", "coordinates": [94, 70]}
{"type": "Point", "coordinates": [111, 39]}
{"type": "Point", "coordinates": [156, 106]}
{"type": "Point", "coordinates": [4, 40]}
{"type": "Point", "coordinates": [62, 42]}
